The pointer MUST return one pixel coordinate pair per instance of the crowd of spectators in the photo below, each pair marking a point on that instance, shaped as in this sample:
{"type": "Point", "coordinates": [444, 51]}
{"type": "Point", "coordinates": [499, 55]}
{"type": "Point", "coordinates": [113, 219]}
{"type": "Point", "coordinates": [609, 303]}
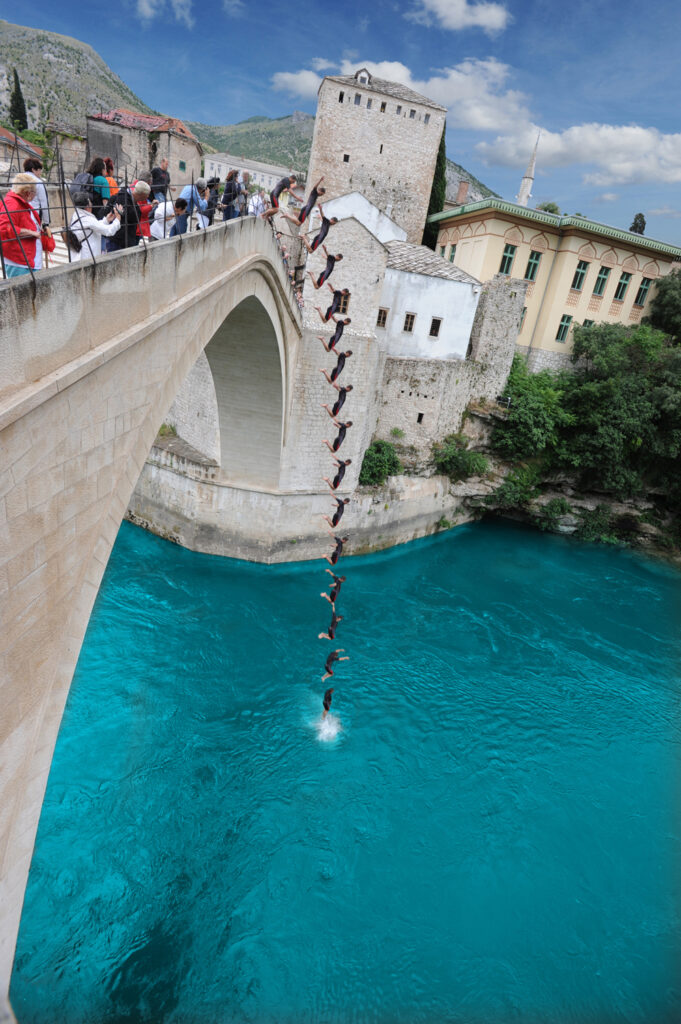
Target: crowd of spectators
{"type": "Point", "coordinates": [110, 215]}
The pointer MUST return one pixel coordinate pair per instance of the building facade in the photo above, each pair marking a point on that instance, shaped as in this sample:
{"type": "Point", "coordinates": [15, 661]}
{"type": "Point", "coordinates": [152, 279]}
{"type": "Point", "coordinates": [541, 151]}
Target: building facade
{"type": "Point", "coordinates": [380, 139]}
{"type": "Point", "coordinates": [137, 142]}
{"type": "Point", "coordinates": [578, 272]}
{"type": "Point", "coordinates": [263, 175]}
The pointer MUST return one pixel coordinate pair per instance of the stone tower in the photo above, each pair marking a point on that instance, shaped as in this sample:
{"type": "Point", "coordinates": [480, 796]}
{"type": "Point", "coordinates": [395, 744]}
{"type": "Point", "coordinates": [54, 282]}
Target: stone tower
{"type": "Point", "coordinates": [378, 138]}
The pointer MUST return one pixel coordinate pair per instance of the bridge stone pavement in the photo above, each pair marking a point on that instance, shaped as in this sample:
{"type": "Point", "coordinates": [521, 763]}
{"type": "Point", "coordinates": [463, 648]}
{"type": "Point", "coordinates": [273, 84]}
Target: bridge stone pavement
{"type": "Point", "coordinates": [89, 365]}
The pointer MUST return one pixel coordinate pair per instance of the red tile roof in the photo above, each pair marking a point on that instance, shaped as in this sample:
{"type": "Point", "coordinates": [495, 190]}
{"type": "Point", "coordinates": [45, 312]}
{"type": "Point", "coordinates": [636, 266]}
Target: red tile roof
{"type": "Point", "coordinates": [147, 122]}
{"type": "Point", "coordinates": [8, 137]}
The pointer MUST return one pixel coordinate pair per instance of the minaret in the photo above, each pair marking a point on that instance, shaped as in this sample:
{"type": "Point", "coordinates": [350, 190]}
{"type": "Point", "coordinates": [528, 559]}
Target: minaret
{"type": "Point", "coordinates": [527, 182]}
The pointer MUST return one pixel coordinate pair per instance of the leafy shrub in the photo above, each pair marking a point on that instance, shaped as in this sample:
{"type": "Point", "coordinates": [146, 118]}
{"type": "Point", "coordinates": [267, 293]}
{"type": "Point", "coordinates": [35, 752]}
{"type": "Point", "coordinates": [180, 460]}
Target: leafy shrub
{"type": "Point", "coordinates": [547, 518]}
{"type": "Point", "coordinates": [396, 432]}
{"type": "Point", "coordinates": [517, 490]}
{"type": "Point", "coordinates": [443, 523]}
{"type": "Point", "coordinates": [535, 414]}
{"type": "Point", "coordinates": [453, 458]}
{"type": "Point", "coordinates": [596, 525]}
{"type": "Point", "coordinates": [380, 461]}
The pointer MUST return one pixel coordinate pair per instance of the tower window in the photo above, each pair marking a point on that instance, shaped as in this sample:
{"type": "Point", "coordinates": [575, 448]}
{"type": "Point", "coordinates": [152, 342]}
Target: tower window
{"type": "Point", "coordinates": [412, 114]}
{"type": "Point", "coordinates": [622, 285]}
{"type": "Point", "coordinates": [346, 158]}
{"type": "Point", "coordinates": [369, 103]}
{"type": "Point", "coordinates": [642, 293]}
{"type": "Point", "coordinates": [452, 253]}
{"type": "Point", "coordinates": [419, 417]}
{"type": "Point", "coordinates": [580, 274]}
{"type": "Point", "coordinates": [383, 108]}
{"type": "Point", "coordinates": [341, 96]}
{"type": "Point", "coordinates": [507, 259]}
{"type": "Point", "coordinates": [183, 166]}
{"type": "Point", "coordinates": [398, 110]}
{"type": "Point", "coordinates": [426, 119]}
{"type": "Point", "coordinates": [443, 250]}
{"type": "Point", "coordinates": [564, 327]}
{"type": "Point", "coordinates": [532, 266]}
{"type": "Point", "coordinates": [380, 150]}
{"type": "Point", "coordinates": [409, 322]}
{"type": "Point", "coordinates": [435, 327]}
{"type": "Point", "coordinates": [601, 280]}
{"type": "Point", "coordinates": [358, 98]}
{"type": "Point", "coordinates": [382, 318]}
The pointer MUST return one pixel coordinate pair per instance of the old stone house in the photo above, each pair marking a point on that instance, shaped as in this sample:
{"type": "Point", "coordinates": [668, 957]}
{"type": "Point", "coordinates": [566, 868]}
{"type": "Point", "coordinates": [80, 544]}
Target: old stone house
{"type": "Point", "coordinates": [137, 142]}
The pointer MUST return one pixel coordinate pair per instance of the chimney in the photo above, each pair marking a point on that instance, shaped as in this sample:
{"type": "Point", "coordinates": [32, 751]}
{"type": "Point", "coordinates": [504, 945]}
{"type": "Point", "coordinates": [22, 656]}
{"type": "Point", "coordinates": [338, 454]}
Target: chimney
{"type": "Point", "coordinates": [462, 193]}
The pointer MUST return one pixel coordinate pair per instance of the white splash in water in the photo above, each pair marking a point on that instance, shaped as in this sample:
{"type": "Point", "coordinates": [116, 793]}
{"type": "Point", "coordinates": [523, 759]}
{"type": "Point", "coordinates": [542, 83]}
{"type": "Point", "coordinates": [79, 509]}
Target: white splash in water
{"type": "Point", "coordinates": [328, 728]}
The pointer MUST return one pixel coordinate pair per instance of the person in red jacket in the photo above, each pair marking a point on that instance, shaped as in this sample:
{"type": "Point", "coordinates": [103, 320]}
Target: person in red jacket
{"type": "Point", "coordinates": [19, 226]}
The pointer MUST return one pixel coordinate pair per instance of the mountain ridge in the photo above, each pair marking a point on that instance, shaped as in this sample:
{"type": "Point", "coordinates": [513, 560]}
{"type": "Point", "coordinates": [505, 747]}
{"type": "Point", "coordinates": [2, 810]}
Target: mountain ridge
{"type": "Point", "coordinates": [47, 85]}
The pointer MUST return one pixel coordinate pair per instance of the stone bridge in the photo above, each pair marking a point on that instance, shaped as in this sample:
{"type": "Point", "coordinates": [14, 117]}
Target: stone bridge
{"type": "Point", "coordinates": [89, 366]}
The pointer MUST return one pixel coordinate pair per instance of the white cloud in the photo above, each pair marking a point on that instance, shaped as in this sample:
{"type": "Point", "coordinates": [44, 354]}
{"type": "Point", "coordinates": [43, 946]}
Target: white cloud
{"type": "Point", "coordinates": [607, 197]}
{"type": "Point", "coordinates": [235, 8]}
{"type": "Point", "coordinates": [300, 83]}
{"type": "Point", "coordinates": [459, 14]}
{"type": "Point", "coordinates": [147, 10]}
{"type": "Point", "coordinates": [321, 63]}
{"type": "Point", "coordinates": [621, 154]}
{"type": "Point", "coordinates": [477, 95]}
{"type": "Point", "coordinates": [474, 90]}
{"type": "Point", "coordinates": [664, 211]}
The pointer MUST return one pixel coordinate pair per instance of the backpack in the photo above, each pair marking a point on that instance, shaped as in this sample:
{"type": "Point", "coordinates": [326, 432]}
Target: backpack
{"type": "Point", "coordinates": [71, 239]}
{"type": "Point", "coordinates": [82, 182]}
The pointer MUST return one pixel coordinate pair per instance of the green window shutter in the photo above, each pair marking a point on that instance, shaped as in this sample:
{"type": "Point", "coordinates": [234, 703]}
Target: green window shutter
{"type": "Point", "coordinates": [622, 286]}
{"type": "Point", "coordinates": [564, 327]}
{"type": "Point", "coordinates": [507, 259]}
{"type": "Point", "coordinates": [601, 280]}
{"type": "Point", "coordinates": [532, 266]}
{"type": "Point", "coordinates": [580, 274]}
{"type": "Point", "coordinates": [452, 253]}
{"type": "Point", "coordinates": [642, 293]}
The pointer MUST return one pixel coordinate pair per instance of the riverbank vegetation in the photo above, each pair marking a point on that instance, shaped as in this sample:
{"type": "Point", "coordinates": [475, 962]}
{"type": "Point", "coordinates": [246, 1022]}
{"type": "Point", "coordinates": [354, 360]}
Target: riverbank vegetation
{"type": "Point", "coordinates": [610, 426]}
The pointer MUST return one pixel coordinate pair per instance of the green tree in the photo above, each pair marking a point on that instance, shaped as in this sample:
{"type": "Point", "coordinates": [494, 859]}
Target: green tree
{"type": "Point", "coordinates": [535, 413]}
{"type": "Point", "coordinates": [665, 308]}
{"type": "Point", "coordinates": [380, 461]}
{"type": "Point", "coordinates": [17, 106]}
{"type": "Point", "coordinates": [451, 456]}
{"type": "Point", "coordinates": [549, 208]}
{"type": "Point", "coordinates": [437, 193]}
{"type": "Point", "coordinates": [638, 225]}
{"type": "Point", "coordinates": [613, 397]}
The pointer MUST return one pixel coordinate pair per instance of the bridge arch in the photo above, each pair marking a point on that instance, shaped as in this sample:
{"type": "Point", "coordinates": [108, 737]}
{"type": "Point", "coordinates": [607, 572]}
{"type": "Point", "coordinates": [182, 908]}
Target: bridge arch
{"type": "Point", "coordinates": [89, 367]}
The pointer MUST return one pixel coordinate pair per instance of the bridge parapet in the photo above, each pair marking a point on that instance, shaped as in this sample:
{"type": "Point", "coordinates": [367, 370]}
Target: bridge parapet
{"type": "Point", "coordinates": [73, 310]}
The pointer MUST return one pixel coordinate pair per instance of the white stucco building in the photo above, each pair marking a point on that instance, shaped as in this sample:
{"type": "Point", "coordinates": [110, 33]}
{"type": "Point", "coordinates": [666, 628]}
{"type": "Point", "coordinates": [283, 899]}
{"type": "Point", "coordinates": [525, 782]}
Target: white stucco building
{"type": "Point", "coordinates": [415, 303]}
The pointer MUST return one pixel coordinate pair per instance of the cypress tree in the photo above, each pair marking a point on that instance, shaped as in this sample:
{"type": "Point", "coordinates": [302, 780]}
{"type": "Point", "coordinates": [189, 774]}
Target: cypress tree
{"type": "Point", "coordinates": [17, 106]}
{"type": "Point", "coordinates": [437, 194]}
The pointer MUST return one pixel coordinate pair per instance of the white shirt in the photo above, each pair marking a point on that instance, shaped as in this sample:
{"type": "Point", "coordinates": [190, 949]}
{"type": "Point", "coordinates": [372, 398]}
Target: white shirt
{"type": "Point", "coordinates": [163, 212]}
{"type": "Point", "coordinates": [90, 232]}
{"type": "Point", "coordinates": [256, 205]}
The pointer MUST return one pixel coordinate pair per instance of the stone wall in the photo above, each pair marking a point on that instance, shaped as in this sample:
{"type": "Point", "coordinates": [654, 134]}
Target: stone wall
{"type": "Point", "coordinates": [391, 157]}
{"type": "Point", "coordinates": [425, 399]}
{"type": "Point", "coordinates": [194, 412]}
{"type": "Point", "coordinates": [91, 358]}
{"type": "Point", "coordinates": [134, 150]}
{"type": "Point", "coordinates": [541, 359]}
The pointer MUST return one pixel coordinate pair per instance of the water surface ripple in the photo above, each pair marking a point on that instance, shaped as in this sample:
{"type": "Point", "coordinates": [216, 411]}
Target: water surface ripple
{"type": "Point", "coordinates": [493, 837]}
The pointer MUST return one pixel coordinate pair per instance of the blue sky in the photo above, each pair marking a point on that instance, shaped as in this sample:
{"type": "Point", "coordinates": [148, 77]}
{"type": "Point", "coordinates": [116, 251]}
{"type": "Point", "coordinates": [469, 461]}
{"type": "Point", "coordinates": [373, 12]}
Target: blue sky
{"type": "Point", "coordinates": [599, 79]}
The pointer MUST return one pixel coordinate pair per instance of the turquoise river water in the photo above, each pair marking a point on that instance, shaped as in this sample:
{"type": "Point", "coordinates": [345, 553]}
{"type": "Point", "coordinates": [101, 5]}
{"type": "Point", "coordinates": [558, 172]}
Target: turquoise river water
{"type": "Point", "coordinates": [493, 836]}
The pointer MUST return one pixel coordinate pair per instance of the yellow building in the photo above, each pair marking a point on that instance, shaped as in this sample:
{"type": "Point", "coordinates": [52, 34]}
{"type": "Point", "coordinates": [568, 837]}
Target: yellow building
{"type": "Point", "coordinates": [578, 271]}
